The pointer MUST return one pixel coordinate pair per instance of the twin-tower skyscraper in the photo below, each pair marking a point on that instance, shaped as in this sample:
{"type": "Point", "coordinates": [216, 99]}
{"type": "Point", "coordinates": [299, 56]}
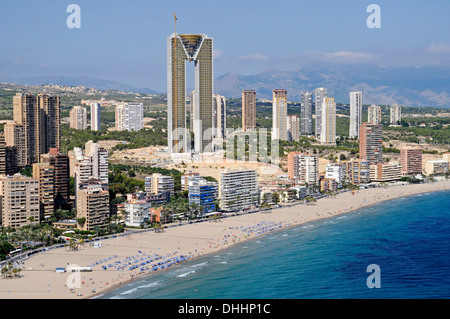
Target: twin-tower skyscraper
{"type": "Point", "coordinates": [196, 48]}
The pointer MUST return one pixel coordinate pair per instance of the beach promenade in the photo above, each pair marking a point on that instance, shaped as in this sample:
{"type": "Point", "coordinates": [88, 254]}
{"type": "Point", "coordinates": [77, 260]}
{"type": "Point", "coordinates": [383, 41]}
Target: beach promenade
{"type": "Point", "coordinates": [122, 259]}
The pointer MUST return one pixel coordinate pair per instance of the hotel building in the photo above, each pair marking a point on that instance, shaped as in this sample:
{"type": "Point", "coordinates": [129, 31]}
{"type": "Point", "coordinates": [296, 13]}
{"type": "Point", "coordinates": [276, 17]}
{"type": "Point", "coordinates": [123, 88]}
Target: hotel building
{"type": "Point", "coordinates": [15, 136]}
{"type": "Point", "coordinates": [293, 126]}
{"type": "Point", "coordinates": [45, 173]}
{"type": "Point", "coordinates": [356, 171]}
{"type": "Point", "coordinates": [385, 172]}
{"type": "Point", "coordinates": [93, 205]}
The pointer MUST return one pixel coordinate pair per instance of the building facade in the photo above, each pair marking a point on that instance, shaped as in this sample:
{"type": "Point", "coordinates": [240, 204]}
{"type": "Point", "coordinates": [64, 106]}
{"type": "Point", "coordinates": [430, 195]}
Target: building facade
{"type": "Point", "coordinates": [303, 168]}
{"type": "Point", "coordinates": [248, 109]}
{"type": "Point", "coordinates": [78, 118]}
{"type": "Point", "coordinates": [95, 117]}
{"type": "Point", "coordinates": [199, 49]}
{"type": "Point", "coordinates": [319, 96]}
{"type": "Point", "coordinates": [395, 114]}
{"type": "Point", "coordinates": [219, 116]}
{"type": "Point", "coordinates": [328, 119]}
{"type": "Point", "coordinates": [411, 161]}
{"type": "Point", "coordinates": [306, 119]}
{"type": "Point", "coordinates": [19, 197]}
{"type": "Point", "coordinates": [371, 143]}
{"type": "Point", "coordinates": [293, 127]}
{"type": "Point", "coordinates": [238, 190]}
{"type": "Point", "coordinates": [279, 114]}
{"type": "Point", "coordinates": [385, 172]}
{"type": "Point", "coordinates": [356, 171]}
{"type": "Point", "coordinates": [374, 114]}
{"type": "Point", "coordinates": [355, 113]}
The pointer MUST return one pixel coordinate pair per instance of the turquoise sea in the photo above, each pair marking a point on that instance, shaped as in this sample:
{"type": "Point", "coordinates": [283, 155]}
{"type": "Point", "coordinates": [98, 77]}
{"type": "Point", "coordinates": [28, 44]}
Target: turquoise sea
{"type": "Point", "coordinates": [408, 238]}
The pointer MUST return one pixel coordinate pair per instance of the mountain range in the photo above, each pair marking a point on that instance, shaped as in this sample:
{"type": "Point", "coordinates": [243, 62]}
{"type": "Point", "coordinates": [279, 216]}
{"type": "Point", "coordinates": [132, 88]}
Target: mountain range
{"type": "Point", "coordinates": [425, 86]}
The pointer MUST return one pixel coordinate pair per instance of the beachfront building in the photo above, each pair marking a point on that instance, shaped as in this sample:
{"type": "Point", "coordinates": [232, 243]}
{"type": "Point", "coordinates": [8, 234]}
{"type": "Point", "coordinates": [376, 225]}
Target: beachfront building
{"type": "Point", "coordinates": [303, 168]}
{"type": "Point", "coordinates": [238, 190]}
{"type": "Point", "coordinates": [374, 114]}
{"type": "Point", "coordinates": [279, 114]}
{"type": "Point", "coordinates": [306, 119]}
{"type": "Point", "coordinates": [335, 171]}
{"type": "Point", "coordinates": [355, 113]}
{"type": "Point", "coordinates": [356, 171]}
{"type": "Point", "coordinates": [45, 173]}
{"type": "Point", "coordinates": [293, 127]}
{"type": "Point", "coordinates": [396, 114]}
{"type": "Point", "coordinates": [92, 205]}
{"type": "Point", "coordinates": [328, 185]}
{"type": "Point", "coordinates": [137, 212]}
{"type": "Point", "coordinates": [436, 167]}
{"type": "Point", "coordinates": [411, 161]}
{"type": "Point", "coordinates": [203, 194]}
{"type": "Point", "coordinates": [19, 198]}
{"type": "Point", "coordinates": [371, 143]}
{"type": "Point", "coordinates": [385, 172]}
{"type": "Point", "coordinates": [158, 183]}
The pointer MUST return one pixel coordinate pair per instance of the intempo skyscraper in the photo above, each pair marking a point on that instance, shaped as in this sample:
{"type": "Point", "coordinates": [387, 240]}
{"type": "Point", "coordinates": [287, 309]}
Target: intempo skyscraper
{"type": "Point", "coordinates": [197, 48]}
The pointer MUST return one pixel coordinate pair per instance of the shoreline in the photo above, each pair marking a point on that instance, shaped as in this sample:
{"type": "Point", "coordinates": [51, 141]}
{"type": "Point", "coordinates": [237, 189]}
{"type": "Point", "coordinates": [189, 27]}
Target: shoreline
{"type": "Point", "coordinates": [189, 240]}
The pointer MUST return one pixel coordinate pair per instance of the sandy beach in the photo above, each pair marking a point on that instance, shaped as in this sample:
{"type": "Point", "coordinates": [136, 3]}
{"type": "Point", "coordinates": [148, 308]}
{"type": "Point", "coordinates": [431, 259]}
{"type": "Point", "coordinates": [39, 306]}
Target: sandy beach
{"type": "Point", "coordinates": [122, 259]}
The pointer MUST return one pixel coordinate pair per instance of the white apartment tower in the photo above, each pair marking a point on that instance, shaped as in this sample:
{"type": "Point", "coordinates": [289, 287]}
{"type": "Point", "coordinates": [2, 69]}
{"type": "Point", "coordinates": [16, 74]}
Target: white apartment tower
{"type": "Point", "coordinates": [319, 96]}
{"type": "Point", "coordinates": [355, 113]}
{"type": "Point", "coordinates": [279, 115]}
{"type": "Point", "coordinates": [95, 117]}
{"type": "Point", "coordinates": [328, 119]}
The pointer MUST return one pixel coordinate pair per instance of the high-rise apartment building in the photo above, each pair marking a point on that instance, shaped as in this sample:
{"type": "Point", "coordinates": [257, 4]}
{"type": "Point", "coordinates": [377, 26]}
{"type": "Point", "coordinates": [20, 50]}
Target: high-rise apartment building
{"type": "Point", "coordinates": [319, 96]}
{"type": "Point", "coordinates": [385, 172]}
{"type": "Point", "coordinates": [204, 194]}
{"type": "Point", "coordinates": [356, 171]}
{"type": "Point", "coordinates": [328, 119]}
{"type": "Point", "coordinates": [355, 113]}
{"type": "Point", "coordinates": [129, 117]}
{"type": "Point", "coordinates": [99, 158]}
{"type": "Point", "coordinates": [303, 168]}
{"type": "Point", "coordinates": [93, 205]}
{"type": "Point", "coordinates": [395, 114]}
{"type": "Point", "coordinates": [371, 143]}
{"type": "Point", "coordinates": [45, 173]}
{"type": "Point", "coordinates": [279, 114]}
{"type": "Point", "coordinates": [158, 183]}
{"type": "Point", "coordinates": [8, 158]}
{"type": "Point", "coordinates": [248, 109]}
{"type": "Point", "coordinates": [306, 120]}
{"type": "Point", "coordinates": [95, 117]}
{"type": "Point", "coordinates": [40, 116]}
{"type": "Point", "coordinates": [411, 161]}
{"type": "Point", "coordinates": [78, 118]}
{"type": "Point", "coordinates": [219, 116]}
{"type": "Point", "coordinates": [238, 190]}
{"type": "Point", "coordinates": [19, 197]}
{"type": "Point", "coordinates": [374, 114]}
{"type": "Point", "coordinates": [199, 49]}
{"type": "Point", "coordinates": [15, 136]}
{"type": "Point", "coordinates": [293, 127]}
{"type": "Point", "coordinates": [335, 171]}
{"type": "Point", "coordinates": [61, 180]}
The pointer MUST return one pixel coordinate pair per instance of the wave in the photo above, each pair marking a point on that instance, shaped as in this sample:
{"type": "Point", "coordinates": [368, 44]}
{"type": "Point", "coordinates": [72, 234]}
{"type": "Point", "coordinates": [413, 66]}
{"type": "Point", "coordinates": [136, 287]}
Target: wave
{"type": "Point", "coordinates": [186, 273]}
{"type": "Point", "coordinates": [129, 291]}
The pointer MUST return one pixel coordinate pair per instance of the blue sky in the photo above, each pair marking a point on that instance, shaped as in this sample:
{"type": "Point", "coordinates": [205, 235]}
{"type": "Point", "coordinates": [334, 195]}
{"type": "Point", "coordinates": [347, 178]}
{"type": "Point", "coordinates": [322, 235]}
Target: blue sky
{"type": "Point", "coordinates": [125, 41]}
